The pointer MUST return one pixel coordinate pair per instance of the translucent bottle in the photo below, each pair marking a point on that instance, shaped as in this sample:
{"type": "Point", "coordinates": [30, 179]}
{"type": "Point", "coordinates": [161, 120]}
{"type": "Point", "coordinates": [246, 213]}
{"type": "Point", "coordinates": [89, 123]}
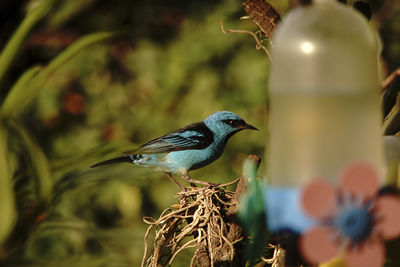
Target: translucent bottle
{"type": "Point", "coordinates": [324, 99]}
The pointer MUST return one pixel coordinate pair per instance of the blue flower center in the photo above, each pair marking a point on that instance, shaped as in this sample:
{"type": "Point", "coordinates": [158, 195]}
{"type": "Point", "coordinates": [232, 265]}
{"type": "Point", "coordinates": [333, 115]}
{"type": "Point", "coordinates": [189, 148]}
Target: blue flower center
{"type": "Point", "coordinates": [355, 222]}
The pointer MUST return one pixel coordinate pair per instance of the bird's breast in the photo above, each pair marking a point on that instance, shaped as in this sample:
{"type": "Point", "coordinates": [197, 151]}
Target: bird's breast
{"type": "Point", "coordinates": [186, 160]}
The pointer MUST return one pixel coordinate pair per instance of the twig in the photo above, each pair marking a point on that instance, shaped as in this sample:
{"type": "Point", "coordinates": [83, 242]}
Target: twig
{"type": "Point", "coordinates": [390, 79]}
{"type": "Point", "coordinates": [259, 43]}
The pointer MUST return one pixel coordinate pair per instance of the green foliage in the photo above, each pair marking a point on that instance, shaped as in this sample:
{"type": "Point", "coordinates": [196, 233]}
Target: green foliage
{"type": "Point", "coordinates": [12, 48]}
{"type": "Point", "coordinates": [94, 99]}
{"type": "Point", "coordinates": [24, 90]}
{"type": "Point", "coordinates": [40, 164]}
{"type": "Point", "coordinates": [252, 213]}
{"type": "Point", "coordinates": [90, 102]}
{"type": "Point", "coordinates": [27, 87]}
{"type": "Point", "coordinates": [7, 208]}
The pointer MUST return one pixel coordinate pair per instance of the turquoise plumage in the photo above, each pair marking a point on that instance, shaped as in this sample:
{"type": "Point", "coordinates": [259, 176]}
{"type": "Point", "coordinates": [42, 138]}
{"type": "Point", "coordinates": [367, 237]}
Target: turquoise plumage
{"type": "Point", "coordinates": [188, 148]}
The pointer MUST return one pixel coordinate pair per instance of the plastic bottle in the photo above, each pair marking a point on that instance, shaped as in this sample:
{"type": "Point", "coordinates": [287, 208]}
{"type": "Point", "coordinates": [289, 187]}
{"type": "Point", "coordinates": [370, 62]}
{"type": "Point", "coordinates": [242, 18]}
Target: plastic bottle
{"type": "Point", "coordinates": [324, 95]}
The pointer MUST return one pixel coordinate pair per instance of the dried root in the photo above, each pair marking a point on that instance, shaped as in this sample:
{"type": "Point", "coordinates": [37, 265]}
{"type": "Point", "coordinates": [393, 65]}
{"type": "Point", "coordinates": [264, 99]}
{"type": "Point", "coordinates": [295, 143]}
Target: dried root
{"type": "Point", "coordinates": [278, 259]}
{"type": "Point", "coordinates": [203, 219]}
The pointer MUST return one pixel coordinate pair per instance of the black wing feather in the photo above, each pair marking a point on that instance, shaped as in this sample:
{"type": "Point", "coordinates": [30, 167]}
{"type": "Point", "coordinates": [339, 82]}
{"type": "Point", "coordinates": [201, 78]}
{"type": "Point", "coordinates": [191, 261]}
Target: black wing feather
{"type": "Point", "coordinates": [193, 136]}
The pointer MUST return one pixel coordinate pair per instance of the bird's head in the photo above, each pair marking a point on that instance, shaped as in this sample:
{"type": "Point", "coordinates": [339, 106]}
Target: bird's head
{"type": "Point", "coordinates": [225, 123]}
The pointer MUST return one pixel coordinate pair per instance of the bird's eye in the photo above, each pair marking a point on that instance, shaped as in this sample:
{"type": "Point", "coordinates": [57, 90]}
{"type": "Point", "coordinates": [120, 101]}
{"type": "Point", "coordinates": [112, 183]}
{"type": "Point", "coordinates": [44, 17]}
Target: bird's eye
{"type": "Point", "coordinates": [232, 123]}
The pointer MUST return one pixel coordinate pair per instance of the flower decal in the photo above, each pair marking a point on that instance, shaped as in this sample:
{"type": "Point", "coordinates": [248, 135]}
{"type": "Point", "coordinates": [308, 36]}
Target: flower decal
{"type": "Point", "coordinates": [353, 220]}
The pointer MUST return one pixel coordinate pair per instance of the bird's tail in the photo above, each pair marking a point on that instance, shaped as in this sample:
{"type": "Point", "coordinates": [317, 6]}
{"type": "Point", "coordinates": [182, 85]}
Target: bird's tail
{"type": "Point", "coordinates": [125, 158]}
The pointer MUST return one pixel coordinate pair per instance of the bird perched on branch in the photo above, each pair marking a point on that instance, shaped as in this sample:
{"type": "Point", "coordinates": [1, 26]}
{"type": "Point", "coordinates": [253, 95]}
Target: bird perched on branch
{"type": "Point", "coordinates": [188, 148]}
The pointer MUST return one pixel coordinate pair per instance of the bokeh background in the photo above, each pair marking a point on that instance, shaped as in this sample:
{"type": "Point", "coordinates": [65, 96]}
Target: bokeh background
{"type": "Point", "coordinates": [169, 66]}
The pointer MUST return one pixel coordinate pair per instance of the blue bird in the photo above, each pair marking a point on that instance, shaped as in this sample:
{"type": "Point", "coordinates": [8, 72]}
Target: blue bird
{"type": "Point", "coordinates": [188, 148]}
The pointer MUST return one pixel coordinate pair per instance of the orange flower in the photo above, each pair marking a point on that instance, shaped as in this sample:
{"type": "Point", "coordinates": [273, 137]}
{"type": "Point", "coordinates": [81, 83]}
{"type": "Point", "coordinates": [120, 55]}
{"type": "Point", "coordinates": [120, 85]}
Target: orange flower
{"type": "Point", "coordinates": [353, 220]}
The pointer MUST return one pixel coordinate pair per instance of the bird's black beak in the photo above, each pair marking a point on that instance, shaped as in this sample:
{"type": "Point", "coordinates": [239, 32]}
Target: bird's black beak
{"type": "Point", "coordinates": [247, 126]}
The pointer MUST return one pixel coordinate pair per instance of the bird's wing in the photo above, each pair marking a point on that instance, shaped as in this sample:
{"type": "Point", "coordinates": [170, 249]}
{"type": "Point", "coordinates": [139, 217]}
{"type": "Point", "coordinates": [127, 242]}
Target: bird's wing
{"type": "Point", "coordinates": [193, 136]}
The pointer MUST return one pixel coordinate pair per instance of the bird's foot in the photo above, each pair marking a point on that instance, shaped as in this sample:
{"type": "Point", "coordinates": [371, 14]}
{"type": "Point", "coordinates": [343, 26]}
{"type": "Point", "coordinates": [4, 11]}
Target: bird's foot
{"type": "Point", "coordinates": [183, 188]}
{"type": "Point", "coordinates": [193, 182]}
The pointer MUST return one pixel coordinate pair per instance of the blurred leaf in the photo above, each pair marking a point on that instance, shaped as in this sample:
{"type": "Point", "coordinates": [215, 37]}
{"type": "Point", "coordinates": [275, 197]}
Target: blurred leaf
{"type": "Point", "coordinates": [22, 98]}
{"type": "Point", "coordinates": [252, 213]}
{"type": "Point", "coordinates": [391, 145]}
{"type": "Point", "coordinates": [7, 205]}
{"type": "Point", "coordinates": [88, 157]}
{"type": "Point", "coordinates": [391, 87]}
{"type": "Point", "coordinates": [16, 92]}
{"type": "Point", "coordinates": [68, 10]}
{"type": "Point", "coordinates": [391, 125]}
{"type": "Point", "coordinates": [13, 46]}
{"type": "Point", "coordinates": [39, 163]}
